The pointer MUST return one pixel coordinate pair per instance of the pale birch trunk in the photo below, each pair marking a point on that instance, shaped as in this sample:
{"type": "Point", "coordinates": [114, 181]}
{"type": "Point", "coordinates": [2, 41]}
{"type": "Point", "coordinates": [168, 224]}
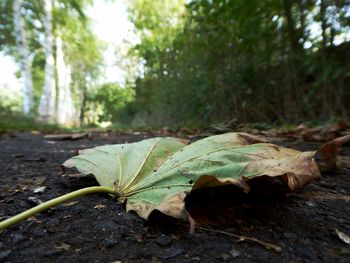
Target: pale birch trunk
{"type": "Point", "coordinates": [66, 112]}
{"type": "Point", "coordinates": [47, 106]}
{"type": "Point", "coordinates": [24, 60]}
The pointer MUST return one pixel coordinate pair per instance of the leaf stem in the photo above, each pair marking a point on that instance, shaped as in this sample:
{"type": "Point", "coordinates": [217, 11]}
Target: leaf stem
{"type": "Point", "coordinates": [53, 202]}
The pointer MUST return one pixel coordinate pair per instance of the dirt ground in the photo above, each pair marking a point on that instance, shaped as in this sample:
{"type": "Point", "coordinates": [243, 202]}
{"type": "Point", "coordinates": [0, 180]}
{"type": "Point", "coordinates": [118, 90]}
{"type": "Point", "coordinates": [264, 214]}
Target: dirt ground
{"type": "Point", "coordinates": [96, 228]}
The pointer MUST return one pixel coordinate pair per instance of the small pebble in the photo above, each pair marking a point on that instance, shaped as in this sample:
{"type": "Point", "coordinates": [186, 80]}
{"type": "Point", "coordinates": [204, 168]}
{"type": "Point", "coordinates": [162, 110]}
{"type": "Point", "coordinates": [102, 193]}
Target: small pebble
{"type": "Point", "coordinates": [34, 200]}
{"type": "Point", "coordinates": [310, 203]}
{"type": "Point", "coordinates": [39, 232]}
{"type": "Point", "coordinates": [163, 241]}
{"type": "Point", "coordinates": [234, 253]}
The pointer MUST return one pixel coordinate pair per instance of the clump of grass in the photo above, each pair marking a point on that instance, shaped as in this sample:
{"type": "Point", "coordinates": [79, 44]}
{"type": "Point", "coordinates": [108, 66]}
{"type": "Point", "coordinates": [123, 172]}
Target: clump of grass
{"type": "Point", "coordinates": [10, 121]}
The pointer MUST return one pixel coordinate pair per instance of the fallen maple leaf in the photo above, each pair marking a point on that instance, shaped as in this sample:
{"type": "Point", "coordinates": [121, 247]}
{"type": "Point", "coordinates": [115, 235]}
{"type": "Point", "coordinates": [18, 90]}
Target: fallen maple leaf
{"type": "Point", "coordinates": [146, 178]}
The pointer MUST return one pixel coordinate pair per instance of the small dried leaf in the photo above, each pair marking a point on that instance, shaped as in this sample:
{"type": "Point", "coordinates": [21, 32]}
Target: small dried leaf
{"type": "Point", "coordinates": [342, 236]}
{"type": "Point", "coordinates": [63, 246]}
{"type": "Point", "coordinates": [67, 136]}
{"type": "Point", "coordinates": [70, 203]}
{"type": "Point", "coordinates": [326, 156]}
{"type": "Point", "coordinates": [99, 206]}
{"type": "Point", "coordinates": [39, 190]}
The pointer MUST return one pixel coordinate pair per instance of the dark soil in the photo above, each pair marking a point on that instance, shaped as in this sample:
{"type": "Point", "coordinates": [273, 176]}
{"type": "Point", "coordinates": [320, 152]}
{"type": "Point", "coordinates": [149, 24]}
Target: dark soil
{"type": "Point", "coordinates": [97, 229]}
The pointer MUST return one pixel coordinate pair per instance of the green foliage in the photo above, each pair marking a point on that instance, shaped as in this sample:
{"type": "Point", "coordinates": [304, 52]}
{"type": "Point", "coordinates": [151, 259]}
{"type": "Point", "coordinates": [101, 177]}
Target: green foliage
{"type": "Point", "coordinates": [108, 103]}
{"type": "Point", "coordinates": [250, 60]}
{"type": "Point", "coordinates": [14, 121]}
{"type": "Point", "coordinates": [113, 98]}
{"type": "Point", "coordinates": [7, 39]}
{"type": "Point", "coordinates": [9, 102]}
{"type": "Point", "coordinates": [204, 61]}
{"type": "Point", "coordinates": [157, 23]}
{"type": "Point", "coordinates": [38, 65]}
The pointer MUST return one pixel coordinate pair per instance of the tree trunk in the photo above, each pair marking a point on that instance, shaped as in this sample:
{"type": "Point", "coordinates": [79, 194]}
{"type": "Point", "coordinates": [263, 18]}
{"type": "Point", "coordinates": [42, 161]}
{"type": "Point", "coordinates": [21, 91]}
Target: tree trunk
{"type": "Point", "coordinates": [302, 18]}
{"type": "Point", "coordinates": [82, 107]}
{"type": "Point", "coordinates": [327, 98]}
{"type": "Point", "coordinates": [25, 65]}
{"type": "Point", "coordinates": [323, 23]}
{"type": "Point", "coordinates": [66, 112]}
{"type": "Point", "coordinates": [47, 106]}
{"type": "Point", "coordinates": [290, 98]}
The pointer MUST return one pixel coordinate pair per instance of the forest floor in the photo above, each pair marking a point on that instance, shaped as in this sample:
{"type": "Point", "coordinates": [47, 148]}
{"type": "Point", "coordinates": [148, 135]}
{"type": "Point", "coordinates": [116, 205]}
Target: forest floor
{"type": "Point", "coordinates": [96, 228]}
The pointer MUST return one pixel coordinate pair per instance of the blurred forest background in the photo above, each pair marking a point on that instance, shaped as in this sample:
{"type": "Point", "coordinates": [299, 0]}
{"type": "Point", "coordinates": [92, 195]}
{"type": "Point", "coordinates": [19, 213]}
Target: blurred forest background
{"type": "Point", "coordinates": [192, 63]}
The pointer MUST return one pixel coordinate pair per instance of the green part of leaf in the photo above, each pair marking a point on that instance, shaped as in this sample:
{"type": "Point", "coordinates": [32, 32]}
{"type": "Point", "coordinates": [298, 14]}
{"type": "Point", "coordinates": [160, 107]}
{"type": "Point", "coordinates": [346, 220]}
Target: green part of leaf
{"type": "Point", "coordinates": [123, 166]}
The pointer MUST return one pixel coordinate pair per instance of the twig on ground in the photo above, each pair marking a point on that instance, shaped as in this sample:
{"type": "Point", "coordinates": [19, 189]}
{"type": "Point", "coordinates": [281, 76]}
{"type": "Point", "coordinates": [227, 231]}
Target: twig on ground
{"type": "Point", "coordinates": [244, 238]}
